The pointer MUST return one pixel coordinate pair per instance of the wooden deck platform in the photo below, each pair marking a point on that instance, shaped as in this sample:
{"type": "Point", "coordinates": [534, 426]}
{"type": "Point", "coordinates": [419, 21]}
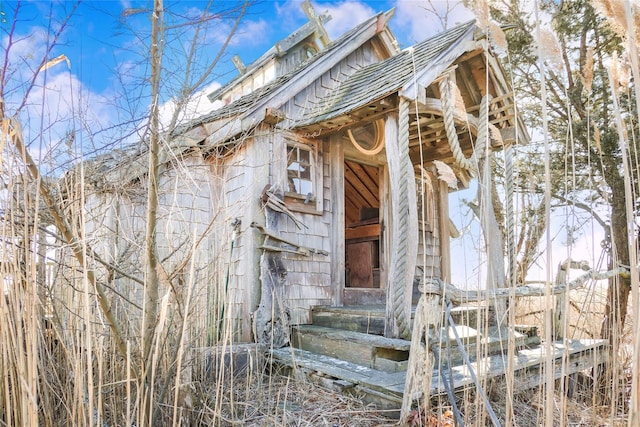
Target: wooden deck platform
{"type": "Point", "coordinates": [347, 360]}
{"type": "Point", "coordinates": [386, 388]}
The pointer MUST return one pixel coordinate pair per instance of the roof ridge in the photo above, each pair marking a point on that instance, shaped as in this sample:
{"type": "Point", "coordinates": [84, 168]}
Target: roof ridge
{"type": "Point", "coordinates": [282, 79]}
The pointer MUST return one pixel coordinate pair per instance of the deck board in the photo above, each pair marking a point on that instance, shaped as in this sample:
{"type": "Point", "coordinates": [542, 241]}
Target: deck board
{"type": "Point", "coordinates": [579, 355]}
{"type": "Point", "coordinates": [339, 369]}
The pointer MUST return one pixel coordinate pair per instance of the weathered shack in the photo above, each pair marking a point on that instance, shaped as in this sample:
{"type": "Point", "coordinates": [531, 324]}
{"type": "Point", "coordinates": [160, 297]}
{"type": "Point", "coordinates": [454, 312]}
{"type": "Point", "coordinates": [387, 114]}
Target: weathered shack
{"type": "Point", "coordinates": [309, 208]}
{"type": "Point", "coordinates": [314, 183]}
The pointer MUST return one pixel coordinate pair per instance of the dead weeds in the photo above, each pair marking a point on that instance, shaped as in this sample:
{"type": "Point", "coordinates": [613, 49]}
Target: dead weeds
{"type": "Point", "coordinates": [277, 399]}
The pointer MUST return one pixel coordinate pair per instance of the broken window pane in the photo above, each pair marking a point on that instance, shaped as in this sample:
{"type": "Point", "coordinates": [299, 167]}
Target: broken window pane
{"type": "Point", "coordinates": [299, 169]}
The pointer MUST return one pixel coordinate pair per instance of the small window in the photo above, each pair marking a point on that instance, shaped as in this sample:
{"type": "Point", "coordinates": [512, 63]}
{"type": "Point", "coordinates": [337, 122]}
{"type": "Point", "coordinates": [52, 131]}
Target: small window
{"type": "Point", "coordinates": [299, 170]}
{"type": "Point", "coordinates": [304, 187]}
{"type": "Point", "coordinates": [310, 51]}
{"type": "Point", "coordinates": [369, 138]}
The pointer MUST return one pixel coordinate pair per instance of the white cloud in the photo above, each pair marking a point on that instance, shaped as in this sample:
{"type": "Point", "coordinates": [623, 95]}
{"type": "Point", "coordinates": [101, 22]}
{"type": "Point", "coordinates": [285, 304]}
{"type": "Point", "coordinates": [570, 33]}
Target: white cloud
{"type": "Point", "coordinates": [252, 33]}
{"type": "Point", "coordinates": [419, 21]}
{"type": "Point", "coordinates": [197, 106]}
{"type": "Point", "coordinates": [413, 20]}
{"type": "Point", "coordinates": [344, 15]}
{"type": "Point", "coordinates": [56, 106]}
{"type": "Point", "coordinates": [289, 14]}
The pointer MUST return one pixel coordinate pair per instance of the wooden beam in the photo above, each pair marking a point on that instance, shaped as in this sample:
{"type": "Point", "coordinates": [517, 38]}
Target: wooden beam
{"type": "Point", "coordinates": [336, 183]}
{"type": "Point", "coordinates": [371, 230]}
{"type": "Point", "coordinates": [428, 75]}
{"type": "Point", "coordinates": [317, 21]}
{"type": "Point", "coordinates": [444, 230]}
{"type": "Point", "coordinates": [237, 62]}
{"type": "Point", "coordinates": [362, 183]}
{"type": "Point", "coordinates": [434, 106]}
{"type": "Point", "coordinates": [463, 296]}
{"type": "Point", "coordinates": [273, 116]}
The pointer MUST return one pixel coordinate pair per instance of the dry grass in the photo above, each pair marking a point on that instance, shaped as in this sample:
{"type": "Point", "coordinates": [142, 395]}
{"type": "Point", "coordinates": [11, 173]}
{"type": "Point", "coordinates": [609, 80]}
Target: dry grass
{"type": "Point", "coordinates": [528, 408]}
{"type": "Point", "coordinates": [282, 400]}
{"type": "Point", "coordinates": [586, 310]}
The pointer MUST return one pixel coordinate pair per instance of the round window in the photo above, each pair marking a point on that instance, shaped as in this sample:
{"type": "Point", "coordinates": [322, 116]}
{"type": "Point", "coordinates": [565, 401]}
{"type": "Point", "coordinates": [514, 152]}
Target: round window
{"type": "Point", "coordinates": [369, 138]}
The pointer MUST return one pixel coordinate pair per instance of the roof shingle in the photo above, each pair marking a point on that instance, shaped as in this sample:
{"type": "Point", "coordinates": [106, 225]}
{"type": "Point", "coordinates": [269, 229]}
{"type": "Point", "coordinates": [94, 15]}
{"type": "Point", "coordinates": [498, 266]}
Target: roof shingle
{"type": "Point", "coordinates": [383, 78]}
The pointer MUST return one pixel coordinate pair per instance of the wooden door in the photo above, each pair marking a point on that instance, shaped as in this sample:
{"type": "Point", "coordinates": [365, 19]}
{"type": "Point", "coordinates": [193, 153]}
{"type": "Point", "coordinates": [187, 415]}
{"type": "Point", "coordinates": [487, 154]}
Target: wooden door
{"type": "Point", "coordinates": [362, 235]}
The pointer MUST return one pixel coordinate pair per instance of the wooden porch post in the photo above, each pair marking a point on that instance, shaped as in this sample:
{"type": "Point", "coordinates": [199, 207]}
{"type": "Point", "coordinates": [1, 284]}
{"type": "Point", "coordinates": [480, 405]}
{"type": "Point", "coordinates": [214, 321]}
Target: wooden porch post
{"type": "Point", "coordinates": [336, 150]}
{"type": "Point", "coordinates": [444, 231]}
{"type": "Point", "coordinates": [402, 225]}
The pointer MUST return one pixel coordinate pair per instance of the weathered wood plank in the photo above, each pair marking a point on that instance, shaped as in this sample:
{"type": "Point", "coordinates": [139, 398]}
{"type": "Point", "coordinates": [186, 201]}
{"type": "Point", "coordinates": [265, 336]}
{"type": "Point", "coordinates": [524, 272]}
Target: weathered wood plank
{"type": "Point", "coordinates": [353, 296]}
{"type": "Point", "coordinates": [350, 338]}
{"type": "Point", "coordinates": [582, 354]}
{"type": "Point", "coordinates": [371, 230]}
{"type": "Point", "coordinates": [351, 322]}
{"type": "Point", "coordinates": [444, 231]}
{"type": "Point", "coordinates": [458, 295]}
{"type": "Point", "coordinates": [370, 310]}
{"type": "Point", "coordinates": [329, 366]}
{"type": "Point", "coordinates": [337, 208]}
{"type": "Point", "coordinates": [373, 351]}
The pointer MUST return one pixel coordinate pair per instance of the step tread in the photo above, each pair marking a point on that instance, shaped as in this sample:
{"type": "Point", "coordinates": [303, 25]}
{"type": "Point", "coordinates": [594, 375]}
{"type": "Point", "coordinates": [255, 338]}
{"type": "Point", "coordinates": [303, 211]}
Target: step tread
{"type": "Point", "coordinates": [340, 369]}
{"type": "Point", "coordinates": [582, 354]}
{"type": "Point", "coordinates": [359, 310]}
{"type": "Point", "coordinates": [353, 337]}
{"type": "Point", "coordinates": [373, 310]}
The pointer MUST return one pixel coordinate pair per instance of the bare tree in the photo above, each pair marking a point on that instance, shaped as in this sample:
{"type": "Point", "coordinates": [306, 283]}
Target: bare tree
{"type": "Point", "coordinates": [69, 352]}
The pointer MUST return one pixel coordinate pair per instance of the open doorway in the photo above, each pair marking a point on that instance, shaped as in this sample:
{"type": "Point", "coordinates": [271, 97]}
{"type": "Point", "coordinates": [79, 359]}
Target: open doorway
{"type": "Point", "coordinates": [362, 233]}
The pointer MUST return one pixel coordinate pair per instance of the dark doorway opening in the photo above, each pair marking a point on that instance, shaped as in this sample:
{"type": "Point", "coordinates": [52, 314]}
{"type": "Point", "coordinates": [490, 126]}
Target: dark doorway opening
{"type": "Point", "coordinates": [362, 225]}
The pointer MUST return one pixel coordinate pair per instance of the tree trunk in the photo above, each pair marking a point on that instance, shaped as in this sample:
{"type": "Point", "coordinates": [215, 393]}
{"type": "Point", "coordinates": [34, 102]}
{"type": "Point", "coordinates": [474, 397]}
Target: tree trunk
{"type": "Point", "coordinates": [151, 286]}
{"type": "Point", "coordinates": [619, 287]}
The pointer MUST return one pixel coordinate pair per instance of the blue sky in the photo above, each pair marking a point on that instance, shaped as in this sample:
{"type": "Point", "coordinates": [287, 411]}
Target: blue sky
{"type": "Point", "coordinates": [106, 43]}
{"type": "Point", "coordinates": [105, 84]}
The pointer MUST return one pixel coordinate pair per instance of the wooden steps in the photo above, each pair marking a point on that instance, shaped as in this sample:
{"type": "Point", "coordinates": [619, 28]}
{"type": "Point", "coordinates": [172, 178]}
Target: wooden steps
{"type": "Point", "coordinates": [368, 319]}
{"type": "Point", "coordinates": [337, 352]}
{"type": "Point", "coordinates": [373, 351]}
{"type": "Point", "coordinates": [376, 386]}
{"type": "Point", "coordinates": [575, 355]}
{"type": "Point", "coordinates": [353, 333]}
{"type": "Point", "coordinates": [495, 341]}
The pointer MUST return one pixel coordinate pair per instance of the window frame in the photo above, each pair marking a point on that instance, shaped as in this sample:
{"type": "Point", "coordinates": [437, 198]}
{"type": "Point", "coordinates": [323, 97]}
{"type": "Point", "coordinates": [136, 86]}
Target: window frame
{"type": "Point", "coordinates": [296, 201]}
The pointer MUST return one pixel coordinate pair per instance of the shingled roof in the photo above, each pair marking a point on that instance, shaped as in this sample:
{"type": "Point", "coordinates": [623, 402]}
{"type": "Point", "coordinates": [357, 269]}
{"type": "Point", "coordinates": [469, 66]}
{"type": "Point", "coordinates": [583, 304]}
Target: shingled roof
{"type": "Point", "coordinates": [237, 117]}
{"type": "Point", "coordinates": [381, 79]}
{"type": "Point", "coordinates": [248, 104]}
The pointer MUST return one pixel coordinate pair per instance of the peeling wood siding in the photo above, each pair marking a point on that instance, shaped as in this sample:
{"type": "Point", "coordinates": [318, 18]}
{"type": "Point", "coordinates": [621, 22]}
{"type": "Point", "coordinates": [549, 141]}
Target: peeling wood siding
{"type": "Point", "coordinates": [292, 60]}
{"type": "Point", "coordinates": [243, 179]}
{"type": "Point", "coordinates": [198, 199]}
{"type": "Point", "coordinates": [256, 169]}
{"type": "Point", "coordinates": [429, 246]}
{"type": "Point", "coordinates": [308, 280]}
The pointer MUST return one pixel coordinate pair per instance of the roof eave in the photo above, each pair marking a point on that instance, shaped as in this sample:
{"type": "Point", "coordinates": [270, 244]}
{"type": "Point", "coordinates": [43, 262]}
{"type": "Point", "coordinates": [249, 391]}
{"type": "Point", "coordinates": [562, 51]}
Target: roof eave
{"type": "Point", "coordinates": [412, 88]}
